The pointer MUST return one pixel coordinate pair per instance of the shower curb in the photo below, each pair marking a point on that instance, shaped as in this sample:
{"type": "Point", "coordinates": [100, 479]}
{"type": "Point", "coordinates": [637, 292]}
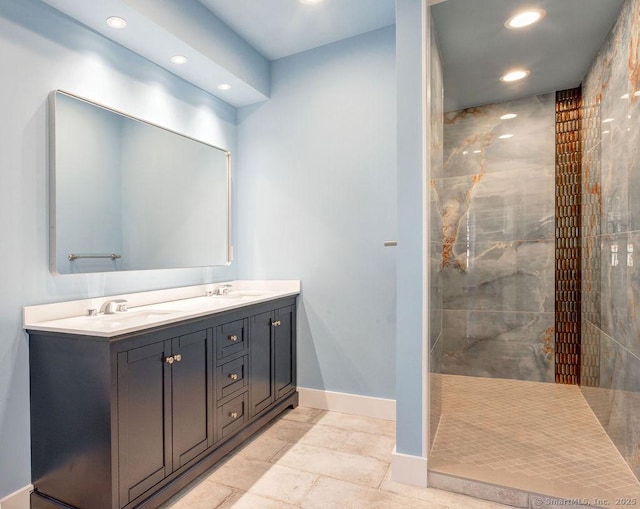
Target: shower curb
{"type": "Point", "coordinates": [501, 494]}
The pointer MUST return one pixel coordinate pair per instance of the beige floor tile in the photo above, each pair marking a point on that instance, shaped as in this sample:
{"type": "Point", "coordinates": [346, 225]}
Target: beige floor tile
{"type": "Point", "coordinates": [284, 484]}
{"type": "Point", "coordinates": [287, 430]}
{"type": "Point", "coordinates": [200, 495]}
{"type": "Point", "coordinates": [263, 448]}
{"type": "Point", "coordinates": [325, 436]}
{"type": "Point", "coordinates": [264, 479]}
{"type": "Point", "coordinates": [368, 444]}
{"type": "Point", "coordinates": [357, 423]}
{"type": "Point", "coordinates": [251, 501]}
{"type": "Point", "coordinates": [303, 414]}
{"type": "Point", "coordinates": [239, 472]}
{"type": "Point", "coordinates": [333, 493]}
{"type": "Point", "coordinates": [337, 464]}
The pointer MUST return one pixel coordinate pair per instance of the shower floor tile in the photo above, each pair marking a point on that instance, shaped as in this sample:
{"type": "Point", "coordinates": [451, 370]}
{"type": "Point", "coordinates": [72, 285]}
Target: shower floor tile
{"type": "Point", "coordinates": [533, 436]}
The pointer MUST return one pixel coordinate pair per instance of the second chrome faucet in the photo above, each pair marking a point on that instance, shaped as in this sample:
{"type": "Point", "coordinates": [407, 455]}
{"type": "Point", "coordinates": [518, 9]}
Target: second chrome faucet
{"type": "Point", "coordinates": [114, 306]}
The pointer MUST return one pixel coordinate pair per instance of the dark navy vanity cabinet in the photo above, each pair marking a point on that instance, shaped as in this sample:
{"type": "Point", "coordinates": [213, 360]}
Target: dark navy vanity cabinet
{"type": "Point", "coordinates": [127, 421]}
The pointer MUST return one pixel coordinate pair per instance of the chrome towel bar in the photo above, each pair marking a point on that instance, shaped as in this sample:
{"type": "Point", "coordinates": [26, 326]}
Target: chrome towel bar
{"type": "Point", "coordinates": [112, 256]}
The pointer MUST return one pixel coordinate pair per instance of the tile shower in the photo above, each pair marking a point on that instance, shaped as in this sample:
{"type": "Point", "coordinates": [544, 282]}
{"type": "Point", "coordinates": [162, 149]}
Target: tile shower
{"type": "Point", "coordinates": [496, 201]}
{"type": "Point", "coordinates": [509, 215]}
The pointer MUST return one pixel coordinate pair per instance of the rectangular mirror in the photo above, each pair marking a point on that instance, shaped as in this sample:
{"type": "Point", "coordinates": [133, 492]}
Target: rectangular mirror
{"type": "Point", "coordinates": [129, 195]}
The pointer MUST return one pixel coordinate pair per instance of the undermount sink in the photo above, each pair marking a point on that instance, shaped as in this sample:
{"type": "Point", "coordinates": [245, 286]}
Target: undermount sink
{"type": "Point", "coordinates": [239, 294]}
{"type": "Point", "coordinates": [133, 316]}
{"type": "Point", "coordinates": [127, 318]}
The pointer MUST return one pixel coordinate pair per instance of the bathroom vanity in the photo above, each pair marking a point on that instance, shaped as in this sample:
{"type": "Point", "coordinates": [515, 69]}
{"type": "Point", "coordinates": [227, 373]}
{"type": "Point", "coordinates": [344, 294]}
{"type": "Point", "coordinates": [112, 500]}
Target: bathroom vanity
{"type": "Point", "coordinates": [129, 407]}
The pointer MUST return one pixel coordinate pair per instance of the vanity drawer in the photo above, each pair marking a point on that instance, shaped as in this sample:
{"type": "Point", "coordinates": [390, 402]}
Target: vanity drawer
{"type": "Point", "coordinates": [232, 376]}
{"type": "Point", "coordinates": [231, 338]}
{"type": "Point", "coordinates": [232, 415]}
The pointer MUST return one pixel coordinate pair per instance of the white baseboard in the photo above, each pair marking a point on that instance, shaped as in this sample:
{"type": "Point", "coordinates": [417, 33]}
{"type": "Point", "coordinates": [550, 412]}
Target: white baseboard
{"type": "Point", "coordinates": [408, 469]}
{"type": "Point", "coordinates": [18, 499]}
{"type": "Point", "coordinates": [367, 406]}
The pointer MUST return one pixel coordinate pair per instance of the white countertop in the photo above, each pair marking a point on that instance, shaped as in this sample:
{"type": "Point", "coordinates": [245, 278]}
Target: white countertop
{"type": "Point", "coordinates": [151, 309]}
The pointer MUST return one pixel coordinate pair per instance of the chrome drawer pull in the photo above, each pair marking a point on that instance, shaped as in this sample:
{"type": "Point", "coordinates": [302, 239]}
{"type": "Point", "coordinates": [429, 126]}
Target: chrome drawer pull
{"type": "Point", "coordinates": [233, 376]}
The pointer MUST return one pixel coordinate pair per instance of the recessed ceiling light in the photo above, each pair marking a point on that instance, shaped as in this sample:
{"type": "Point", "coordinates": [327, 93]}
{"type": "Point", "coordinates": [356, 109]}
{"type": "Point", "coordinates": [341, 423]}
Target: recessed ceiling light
{"type": "Point", "coordinates": [179, 59]}
{"type": "Point", "coordinates": [637, 93]}
{"type": "Point", "coordinates": [625, 96]}
{"type": "Point", "coordinates": [606, 132]}
{"type": "Point", "coordinates": [515, 75]}
{"type": "Point", "coordinates": [525, 18]}
{"type": "Point", "coordinates": [477, 151]}
{"type": "Point", "coordinates": [508, 116]}
{"type": "Point", "coordinates": [224, 86]}
{"type": "Point", "coordinates": [116, 22]}
{"type": "Point", "coordinates": [505, 136]}
{"type": "Point", "coordinates": [608, 120]}
{"type": "Point", "coordinates": [465, 152]}
{"type": "Point", "coordinates": [310, 2]}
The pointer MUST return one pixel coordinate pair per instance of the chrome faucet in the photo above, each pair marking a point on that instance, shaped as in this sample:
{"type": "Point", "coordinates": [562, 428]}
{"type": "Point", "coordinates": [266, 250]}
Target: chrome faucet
{"type": "Point", "coordinates": [220, 290]}
{"type": "Point", "coordinates": [108, 307]}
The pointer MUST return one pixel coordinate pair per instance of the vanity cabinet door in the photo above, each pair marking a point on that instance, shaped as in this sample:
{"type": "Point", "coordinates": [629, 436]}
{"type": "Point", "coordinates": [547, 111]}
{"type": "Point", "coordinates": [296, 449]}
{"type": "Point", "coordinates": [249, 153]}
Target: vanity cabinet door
{"type": "Point", "coordinates": [272, 357]}
{"type": "Point", "coordinates": [192, 389]}
{"type": "Point", "coordinates": [144, 424]}
{"type": "Point", "coordinates": [261, 393]}
{"type": "Point", "coordinates": [284, 351]}
{"type": "Point", "coordinates": [165, 415]}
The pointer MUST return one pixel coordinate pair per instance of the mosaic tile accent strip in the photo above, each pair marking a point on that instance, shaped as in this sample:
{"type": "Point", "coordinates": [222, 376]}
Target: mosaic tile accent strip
{"type": "Point", "coordinates": [568, 245]}
{"type": "Point", "coordinates": [533, 436]}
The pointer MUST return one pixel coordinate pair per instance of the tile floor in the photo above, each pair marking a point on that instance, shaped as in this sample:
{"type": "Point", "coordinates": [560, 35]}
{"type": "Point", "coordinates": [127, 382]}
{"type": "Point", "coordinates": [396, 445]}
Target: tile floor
{"type": "Point", "coordinates": [314, 459]}
{"type": "Point", "coordinates": [532, 436]}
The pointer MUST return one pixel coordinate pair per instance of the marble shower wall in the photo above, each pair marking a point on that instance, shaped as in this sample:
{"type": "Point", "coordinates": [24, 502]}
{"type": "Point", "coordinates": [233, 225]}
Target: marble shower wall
{"type": "Point", "coordinates": [435, 268]}
{"type": "Point", "coordinates": [496, 204]}
{"type": "Point", "coordinates": [611, 235]}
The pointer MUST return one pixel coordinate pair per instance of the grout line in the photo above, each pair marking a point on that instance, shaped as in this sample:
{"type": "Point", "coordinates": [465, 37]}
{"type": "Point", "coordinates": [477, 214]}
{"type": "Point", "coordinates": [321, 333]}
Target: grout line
{"type": "Point", "coordinates": [228, 497]}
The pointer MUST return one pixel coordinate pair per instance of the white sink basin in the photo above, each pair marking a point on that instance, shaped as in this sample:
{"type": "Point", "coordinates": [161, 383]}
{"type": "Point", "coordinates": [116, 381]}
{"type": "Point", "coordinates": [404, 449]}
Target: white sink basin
{"type": "Point", "coordinates": [143, 316]}
{"type": "Point", "coordinates": [240, 294]}
{"type": "Point", "coordinates": [245, 293]}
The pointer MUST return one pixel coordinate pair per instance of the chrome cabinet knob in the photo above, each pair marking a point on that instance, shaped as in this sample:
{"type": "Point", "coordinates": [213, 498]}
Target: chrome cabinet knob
{"type": "Point", "coordinates": [233, 415]}
{"type": "Point", "coordinates": [233, 376]}
{"type": "Point", "coordinates": [177, 357]}
{"type": "Point", "coordinates": [233, 338]}
{"type": "Point", "coordinates": [169, 360]}
{"type": "Point", "coordinates": [275, 323]}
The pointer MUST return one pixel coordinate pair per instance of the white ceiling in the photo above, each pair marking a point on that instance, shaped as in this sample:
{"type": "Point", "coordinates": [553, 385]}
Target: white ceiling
{"type": "Point", "coordinates": [279, 28]}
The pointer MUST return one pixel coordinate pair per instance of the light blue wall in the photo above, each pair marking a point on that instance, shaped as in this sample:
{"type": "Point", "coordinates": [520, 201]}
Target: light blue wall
{"type": "Point", "coordinates": [41, 50]}
{"type": "Point", "coordinates": [317, 184]}
{"type": "Point", "coordinates": [410, 345]}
